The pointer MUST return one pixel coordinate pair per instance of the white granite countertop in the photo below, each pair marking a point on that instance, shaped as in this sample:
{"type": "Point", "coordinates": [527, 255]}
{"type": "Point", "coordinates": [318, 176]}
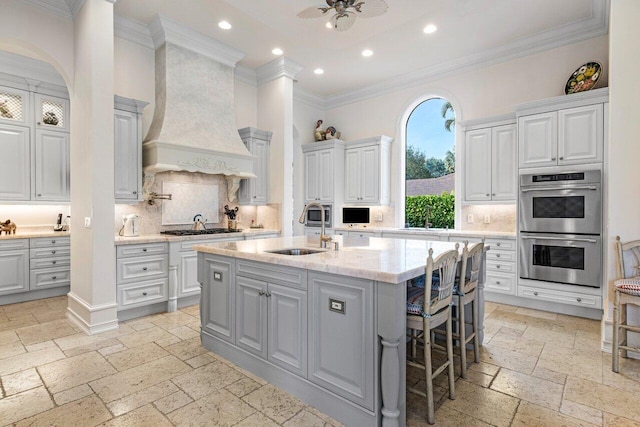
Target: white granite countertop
{"type": "Point", "coordinates": [159, 238]}
{"type": "Point", "coordinates": [29, 234]}
{"type": "Point", "coordinates": [435, 231]}
{"type": "Point", "coordinates": [382, 259]}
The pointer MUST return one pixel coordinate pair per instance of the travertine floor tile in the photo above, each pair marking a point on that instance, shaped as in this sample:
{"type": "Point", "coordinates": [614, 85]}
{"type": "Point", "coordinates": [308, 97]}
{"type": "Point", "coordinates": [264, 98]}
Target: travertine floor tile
{"type": "Point", "coordinates": [305, 419]}
{"type": "Point", "coordinates": [8, 336]}
{"type": "Point", "coordinates": [41, 345]}
{"type": "Point", "coordinates": [274, 403]}
{"type": "Point", "coordinates": [49, 315]}
{"type": "Point", "coordinates": [21, 381]}
{"type": "Point", "coordinates": [187, 349]}
{"type": "Point", "coordinates": [546, 374]}
{"type": "Point", "coordinates": [172, 320]}
{"type": "Point", "coordinates": [147, 416]}
{"type": "Point", "coordinates": [578, 362]}
{"type": "Point", "coordinates": [26, 404]}
{"type": "Point", "coordinates": [136, 339]}
{"type": "Point", "coordinates": [184, 332]}
{"type": "Point", "coordinates": [325, 417]}
{"type": "Point", "coordinates": [536, 313]}
{"type": "Point", "coordinates": [44, 332]}
{"type": "Point", "coordinates": [446, 416]}
{"type": "Point", "coordinates": [18, 322]}
{"type": "Point", "coordinates": [628, 377]}
{"type": "Point", "coordinates": [202, 381]}
{"type": "Point", "coordinates": [523, 345]}
{"type": "Point", "coordinates": [87, 412]}
{"type": "Point", "coordinates": [530, 415]}
{"type": "Point", "coordinates": [73, 371]}
{"type": "Point", "coordinates": [581, 412]}
{"type": "Point", "coordinates": [141, 398]}
{"type": "Point", "coordinates": [243, 386]}
{"type": "Point", "coordinates": [11, 349]}
{"type": "Point", "coordinates": [485, 368]}
{"type": "Point", "coordinates": [172, 402]}
{"type": "Point", "coordinates": [136, 356]}
{"type": "Point", "coordinates": [81, 340]}
{"type": "Point", "coordinates": [260, 420]}
{"type": "Point", "coordinates": [72, 394]}
{"type": "Point", "coordinates": [535, 390]}
{"type": "Point", "coordinates": [508, 359]}
{"type": "Point", "coordinates": [112, 349]}
{"type": "Point", "coordinates": [135, 379]}
{"type": "Point", "coordinates": [29, 360]}
{"type": "Point", "coordinates": [603, 397]}
{"type": "Point", "coordinates": [201, 360]}
{"type": "Point", "coordinates": [481, 403]}
{"type": "Point", "coordinates": [193, 310]}
{"type": "Point", "coordinates": [479, 378]}
{"type": "Point", "coordinates": [219, 408]}
{"type": "Point", "coordinates": [611, 420]}
{"type": "Point", "coordinates": [558, 337]}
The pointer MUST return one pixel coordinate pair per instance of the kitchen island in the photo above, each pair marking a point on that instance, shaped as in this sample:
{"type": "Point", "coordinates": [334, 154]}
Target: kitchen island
{"type": "Point", "coordinates": [328, 327]}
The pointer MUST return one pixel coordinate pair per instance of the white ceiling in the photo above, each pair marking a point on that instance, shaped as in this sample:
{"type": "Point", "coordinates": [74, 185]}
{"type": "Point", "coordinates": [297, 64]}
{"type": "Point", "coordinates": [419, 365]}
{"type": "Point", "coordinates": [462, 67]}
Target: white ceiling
{"type": "Point", "coordinates": [469, 32]}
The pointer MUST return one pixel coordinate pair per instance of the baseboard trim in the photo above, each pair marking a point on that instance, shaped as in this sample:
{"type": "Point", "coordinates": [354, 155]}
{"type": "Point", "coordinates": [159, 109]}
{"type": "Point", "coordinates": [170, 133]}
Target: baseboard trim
{"type": "Point", "coordinates": [571, 310]}
{"type": "Point", "coordinates": [91, 319]}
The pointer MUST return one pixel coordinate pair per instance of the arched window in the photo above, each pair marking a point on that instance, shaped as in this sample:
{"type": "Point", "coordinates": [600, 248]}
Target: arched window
{"type": "Point", "coordinates": [430, 165]}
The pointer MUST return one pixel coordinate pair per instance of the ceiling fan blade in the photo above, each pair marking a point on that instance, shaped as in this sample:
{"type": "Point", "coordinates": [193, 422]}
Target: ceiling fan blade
{"type": "Point", "coordinates": [342, 22]}
{"type": "Point", "coordinates": [370, 8]}
{"type": "Point", "coordinates": [313, 12]}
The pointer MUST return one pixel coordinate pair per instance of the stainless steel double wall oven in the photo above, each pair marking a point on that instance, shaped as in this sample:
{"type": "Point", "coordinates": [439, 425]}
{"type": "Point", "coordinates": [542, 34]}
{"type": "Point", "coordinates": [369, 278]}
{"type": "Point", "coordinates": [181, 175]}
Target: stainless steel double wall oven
{"type": "Point", "coordinates": [561, 227]}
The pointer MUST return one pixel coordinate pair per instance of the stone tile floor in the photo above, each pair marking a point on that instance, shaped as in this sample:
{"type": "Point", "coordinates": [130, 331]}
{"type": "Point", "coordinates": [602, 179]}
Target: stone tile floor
{"type": "Point", "coordinates": [537, 369]}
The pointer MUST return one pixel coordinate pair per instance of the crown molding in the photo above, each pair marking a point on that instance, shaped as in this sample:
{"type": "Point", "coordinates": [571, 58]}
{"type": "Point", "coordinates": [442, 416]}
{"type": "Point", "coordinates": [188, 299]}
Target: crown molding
{"type": "Point", "coordinates": [308, 98]}
{"type": "Point", "coordinates": [57, 7]}
{"type": "Point", "coordinates": [132, 30]}
{"type": "Point", "coordinates": [75, 6]}
{"type": "Point", "coordinates": [246, 75]}
{"type": "Point", "coordinates": [29, 69]}
{"type": "Point", "coordinates": [499, 120]}
{"type": "Point", "coordinates": [593, 96]}
{"type": "Point", "coordinates": [164, 30]}
{"type": "Point", "coordinates": [279, 67]}
{"type": "Point", "coordinates": [594, 26]}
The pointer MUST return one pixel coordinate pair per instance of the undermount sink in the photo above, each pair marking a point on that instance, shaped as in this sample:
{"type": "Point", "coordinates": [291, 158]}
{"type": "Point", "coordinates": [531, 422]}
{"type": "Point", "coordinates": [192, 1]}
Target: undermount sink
{"type": "Point", "coordinates": [296, 251]}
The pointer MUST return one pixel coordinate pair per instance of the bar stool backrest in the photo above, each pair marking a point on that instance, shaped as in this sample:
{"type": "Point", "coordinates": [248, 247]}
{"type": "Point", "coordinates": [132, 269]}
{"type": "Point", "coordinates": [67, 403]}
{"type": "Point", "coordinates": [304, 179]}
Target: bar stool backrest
{"type": "Point", "coordinates": [445, 264]}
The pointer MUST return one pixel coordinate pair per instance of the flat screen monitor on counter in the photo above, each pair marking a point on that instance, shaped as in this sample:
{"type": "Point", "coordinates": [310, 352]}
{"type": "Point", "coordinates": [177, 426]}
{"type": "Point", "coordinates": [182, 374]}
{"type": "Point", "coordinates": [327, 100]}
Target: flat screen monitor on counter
{"type": "Point", "coordinates": [355, 215]}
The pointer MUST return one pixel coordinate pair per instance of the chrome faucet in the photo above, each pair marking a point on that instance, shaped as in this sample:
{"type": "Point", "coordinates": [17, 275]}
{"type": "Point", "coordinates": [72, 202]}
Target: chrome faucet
{"type": "Point", "coordinates": [429, 211]}
{"type": "Point", "coordinates": [323, 238]}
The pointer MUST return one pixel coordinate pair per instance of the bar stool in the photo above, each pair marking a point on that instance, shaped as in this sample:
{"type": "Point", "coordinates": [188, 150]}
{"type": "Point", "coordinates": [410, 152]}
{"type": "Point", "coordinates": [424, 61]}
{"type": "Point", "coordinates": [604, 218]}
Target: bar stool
{"type": "Point", "coordinates": [427, 308]}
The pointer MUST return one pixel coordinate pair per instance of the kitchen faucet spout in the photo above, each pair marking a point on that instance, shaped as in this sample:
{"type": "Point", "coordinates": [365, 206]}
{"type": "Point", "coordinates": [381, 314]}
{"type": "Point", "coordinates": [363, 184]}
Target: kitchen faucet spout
{"type": "Point", "coordinates": [323, 238]}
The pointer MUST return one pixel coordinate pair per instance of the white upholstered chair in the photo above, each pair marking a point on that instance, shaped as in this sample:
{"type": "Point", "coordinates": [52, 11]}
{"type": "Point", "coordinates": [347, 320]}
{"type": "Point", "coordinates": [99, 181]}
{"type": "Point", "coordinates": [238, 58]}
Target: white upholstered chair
{"type": "Point", "coordinates": [427, 308]}
{"type": "Point", "coordinates": [627, 291]}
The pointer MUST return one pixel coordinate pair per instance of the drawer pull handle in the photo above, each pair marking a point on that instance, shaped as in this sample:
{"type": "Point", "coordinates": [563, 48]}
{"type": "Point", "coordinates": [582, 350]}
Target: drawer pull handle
{"type": "Point", "coordinates": [53, 252]}
{"type": "Point", "coordinates": [579, 299]}
{"type": "Point", "coordinates": [53, 242]}
{"type": "Point", "coordinates": [144, 294]}
{"type": "Point", "coordinates": [261, 293]}
{"type": "Point", "coordinates": [53, 262]}
{"type": "Point", "coordinates": [144, 268]}
{"type": "Point", "coordinates": [497, 266]}
{"type": "Point", "coordinates": [498, 244]}
{"type": "Point", "coordinates": [497, 255]}
{"type": "Point", "coordinates": [144, 249]}
{"type": "Point", "coordinates": [497, 282]}
{"type": "Point", "coordinates": [54, 277]}
{"type": "Point", "coordinates": [535, 294]}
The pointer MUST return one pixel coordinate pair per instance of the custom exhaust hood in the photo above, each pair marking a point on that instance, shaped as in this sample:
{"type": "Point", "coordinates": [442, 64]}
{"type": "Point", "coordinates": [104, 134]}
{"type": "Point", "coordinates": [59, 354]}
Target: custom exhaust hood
{"type": "Point", "coordinates": [193, 127]}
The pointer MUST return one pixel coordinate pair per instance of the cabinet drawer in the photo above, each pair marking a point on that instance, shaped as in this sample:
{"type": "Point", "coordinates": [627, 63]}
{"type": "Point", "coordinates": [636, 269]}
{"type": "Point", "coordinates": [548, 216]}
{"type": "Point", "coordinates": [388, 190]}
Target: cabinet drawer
{"type": "Point", "coordinates": [51, 252]}
{"type": "Point", "coordinates": [45, 242]}
{"type": "Point", "coordinates": [561, 297]}
{"type": "Point", "coordinates": [49, 278]}
{"type": "Point", "coordinates": [501, 266]}
{"type": "Point", "coordinates": [14, 244]}
{"type": "Point", "coordinates": [498, 255]}
{"type": "Point", "coordinates": [142, 293]}
{"type": "Point", "coordinates": [504, 283]}
{"type": "Point", "coordinates": [273, 274]}
{"type": "Point", "coordinates": [61, 261]}
{"type": "Point", "coordinates": [502, 244]}
{"type": "Point", "coordinates": [125, 251]}
{"type": "Point", "coordinates": [142, 268]}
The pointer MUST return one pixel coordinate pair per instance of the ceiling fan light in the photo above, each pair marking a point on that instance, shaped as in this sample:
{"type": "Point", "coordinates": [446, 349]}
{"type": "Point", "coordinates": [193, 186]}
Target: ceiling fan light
{"type": "Point", "coordinates": [277, 51]}
{"type": "Point", "coordinates": [318, 71]}
{"type": "Point", "coordinates": [224, 25]}
{"type": "Point", "coordinates": [430, 29]}
{"type": "Point", "coordinates": [367, 52]}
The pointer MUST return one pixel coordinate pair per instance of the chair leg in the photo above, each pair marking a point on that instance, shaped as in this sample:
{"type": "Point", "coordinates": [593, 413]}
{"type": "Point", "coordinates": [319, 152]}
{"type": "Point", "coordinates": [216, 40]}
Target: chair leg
{"type": "Point", "coordinates": [452, 391]}
{"type": "Point", "coordinates": [462, 333]}
{"type": "Point", "coordinates": [622, 313]}
{"type": "Point", "coordinates": [428, 373]}
{"type": "Point", "coordinates": [413, 343]}
{"type": "Point", "coordinates": [476, 337]}
{"type": "Point", "coordinates": [616, 333]}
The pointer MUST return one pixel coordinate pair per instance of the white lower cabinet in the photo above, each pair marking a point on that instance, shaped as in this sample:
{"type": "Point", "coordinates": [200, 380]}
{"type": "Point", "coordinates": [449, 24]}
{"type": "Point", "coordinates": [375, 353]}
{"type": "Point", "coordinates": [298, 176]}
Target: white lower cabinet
{"type": "Point", "coordinates": [14, 265]}
{"type": "Point", "coordinates": [501, 266]}
{"type": "Point", "coordinates": [561, 297]}
{"type": "Point", "coordinates": [50, 262]}
{"type": "Point", "coordinates": [141, 279]}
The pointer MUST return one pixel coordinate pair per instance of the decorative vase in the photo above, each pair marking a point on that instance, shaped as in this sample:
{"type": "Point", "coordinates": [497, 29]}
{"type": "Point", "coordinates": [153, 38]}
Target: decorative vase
{"type": "Point", "coordinates": [232, 225]}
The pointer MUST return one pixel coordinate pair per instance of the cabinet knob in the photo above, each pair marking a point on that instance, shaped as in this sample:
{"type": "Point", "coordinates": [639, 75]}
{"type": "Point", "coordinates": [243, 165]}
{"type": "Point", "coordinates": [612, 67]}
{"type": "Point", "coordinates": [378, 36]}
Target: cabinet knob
{"type": "Point", "coordinates": [135, 192]}
{"type": "Point", "coordinates": [260, 293]}
{"type": "Point", "coordinates": [144, 294]}
{"type": "Point", "coordinates": [53, 262]}
{"type": "Point", "coordinates": [561, 158]}
{"type": "Point", "coordinates": [497, 266]}
{"type": "Point", "coordinates": [39, 195]}
{"type": "Point", "coordinates": [268, 294]}
{"type": "Point", "coordinates": [497, 282]}
{"type": "Point", "coordinates": [579, 299]}
{"type": "Point", "coordinates": [144, 249]}
{"type": "Point", "coordinates": [39, 123]}
{"type": "Point", "coordinates": [54, 277]}
{"type": "Point", "coordinates": [493, 194]}
{"type": "Point", "coordinates": [497, 255]}
{"type": "Point", "coordinates": [553, 158]}
{"type": "Point", "coordinates": [535, 293]}
{"type": "Point", "coordinates": [498, 244]}
{"type": "Point", "coordinates": [255, 197]}
{"type": "Point", "coordinates": [53, 252]}
{"type": "Point", "coordinates": [144, 268]}
{"type": "Point", "coordinates": [53, 242]}
{"type": "Point", "coordinates": [487, 194]}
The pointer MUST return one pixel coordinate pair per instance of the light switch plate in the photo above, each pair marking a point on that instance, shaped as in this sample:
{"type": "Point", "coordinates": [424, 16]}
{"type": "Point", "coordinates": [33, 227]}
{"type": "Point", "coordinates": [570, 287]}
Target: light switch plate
{"type": "Point", "coordinates": [487, 219]}
{"type": "Point", "coordinates": [87, 222]}
{"type": "Point", "coordinates": [470, 219]}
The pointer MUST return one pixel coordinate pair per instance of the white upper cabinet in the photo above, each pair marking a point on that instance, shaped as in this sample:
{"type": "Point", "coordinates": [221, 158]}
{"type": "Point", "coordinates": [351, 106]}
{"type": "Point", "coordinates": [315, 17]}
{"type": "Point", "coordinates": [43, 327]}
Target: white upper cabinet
{"type": "Point", "coordinates": [255, 191]}
{"type": "Point", "coordinates": [51, 113]}
{"type": "Point", "coordinates": [323, 167]}
{"type": "Point", "coordinates": [14, 106]}
{"type": "Point", "coordinates": [52, 165]}
{"type": "Point", "coordinates": [15, 163]}
{"type": "Point", "coordinates": [368, 171]}
{"type": "Point", "coordinates": [127, 149]}
{"type": "Point", "coordinates": [489, 160]}
{"type": "Point", "coordinates": [560, 131]}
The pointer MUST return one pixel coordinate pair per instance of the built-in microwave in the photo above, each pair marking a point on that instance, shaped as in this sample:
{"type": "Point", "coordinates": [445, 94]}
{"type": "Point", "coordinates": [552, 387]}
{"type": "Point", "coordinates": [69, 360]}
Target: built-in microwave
{"type": "Point", "coordinates": [314, 216]}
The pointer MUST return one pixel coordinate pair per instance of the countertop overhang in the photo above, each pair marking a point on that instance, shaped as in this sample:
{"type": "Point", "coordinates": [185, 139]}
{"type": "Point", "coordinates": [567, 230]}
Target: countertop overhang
{"type": "Point", "coordinates": [382, 259]}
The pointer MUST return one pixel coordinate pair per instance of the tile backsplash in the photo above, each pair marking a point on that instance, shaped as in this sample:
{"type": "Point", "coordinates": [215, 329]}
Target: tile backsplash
{"type": "Point", "coordinates": [501, 217]}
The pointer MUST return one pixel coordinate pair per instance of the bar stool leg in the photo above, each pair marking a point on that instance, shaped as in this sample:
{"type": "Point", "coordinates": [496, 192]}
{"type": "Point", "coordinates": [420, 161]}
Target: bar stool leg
{"type": "Point", "coordinates": [616, 333]}
{"type": "Point", "coordinates": [431, 417]}
{"type": "Point", "coordinates": [462, 333]}
{"type": "Point", "coordinates": [476, 337]}
{"type": "Point", "coordinates": [452, 390]}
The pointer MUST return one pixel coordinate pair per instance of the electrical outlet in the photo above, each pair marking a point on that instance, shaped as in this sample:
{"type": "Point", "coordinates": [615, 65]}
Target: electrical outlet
{"type": "Point", "coordinates": [87, 222]}
{"type": "Point", "coordinates": [470, 219]}
{"type": "Point", "coordinates": [379, 217]}
{"type": "Point", "coordinates": [487, 219]}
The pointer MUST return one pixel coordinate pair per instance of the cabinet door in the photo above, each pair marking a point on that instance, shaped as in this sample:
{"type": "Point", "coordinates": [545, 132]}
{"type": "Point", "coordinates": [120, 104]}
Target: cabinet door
{"type": "Point", "coordinates": [188, 279]}
{"type": "Point", "coordinates": [251, 315]}
{"type": "Point", "coordinates": [217, 301]}
{"type": "Point", "coordinates": [51, 113]}
{"type": "Point", "coordinates": [127, 151]}
{"type": "Point", "coordinates": [14, 108]}
{"type": "Point", "coordinates": [15, 163]}
{"type": "Point", "coordinates": [325, 176]}
{"type": "Point", "coordinates": [352, 176]}
{"type": "Point", "coordinates": [370, 174]}
{"type": "Point", "coordinates": [288, 328]}
{"type": "Point", "coordinates": [14, 266]}
{"type": "Point", "coordinates": [52, 165]}
{"type": "Point", "coordinates": [477, 160]}
{"type": "Point", "coordinates": [341, 345]}
{"type": "Point", "coordinates": [580, 135]}
{"type": "Point", "coordinates": [261, 183]}
{"type": "Point", "coordinates": [538, 140]}
{"type": "Point", "coordinates": [311, 173]}
{"type": "Point", "coordinates": [504, 169]}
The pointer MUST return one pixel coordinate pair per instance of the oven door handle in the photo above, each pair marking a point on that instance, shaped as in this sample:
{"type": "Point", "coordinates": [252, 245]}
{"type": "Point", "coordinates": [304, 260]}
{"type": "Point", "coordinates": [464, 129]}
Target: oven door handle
{"type": "Point", "coordinates": [559, 238]}
{"type": "Point", "coordinates": [586, 187]}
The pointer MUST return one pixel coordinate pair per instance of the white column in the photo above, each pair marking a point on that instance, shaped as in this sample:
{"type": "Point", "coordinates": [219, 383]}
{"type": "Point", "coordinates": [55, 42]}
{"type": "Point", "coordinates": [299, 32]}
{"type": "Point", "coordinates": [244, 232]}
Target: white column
{"type": "Point", "coordinates": [275, 114]}
{"type": "Point", "coordinates": [92, 300]}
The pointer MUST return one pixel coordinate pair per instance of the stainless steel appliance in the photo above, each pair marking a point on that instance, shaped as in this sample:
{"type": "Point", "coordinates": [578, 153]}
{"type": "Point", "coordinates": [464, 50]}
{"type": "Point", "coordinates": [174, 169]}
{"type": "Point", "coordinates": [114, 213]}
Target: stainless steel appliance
{"type": "Point", "coordinates": [314, 216]}
{"type": "Point", "coordinates": [560, 225]}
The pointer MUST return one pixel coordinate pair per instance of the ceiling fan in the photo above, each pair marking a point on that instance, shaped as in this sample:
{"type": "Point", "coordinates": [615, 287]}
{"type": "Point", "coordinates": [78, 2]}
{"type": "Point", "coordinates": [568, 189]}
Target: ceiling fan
{"type": "Point", "coordinates": [346, 11]}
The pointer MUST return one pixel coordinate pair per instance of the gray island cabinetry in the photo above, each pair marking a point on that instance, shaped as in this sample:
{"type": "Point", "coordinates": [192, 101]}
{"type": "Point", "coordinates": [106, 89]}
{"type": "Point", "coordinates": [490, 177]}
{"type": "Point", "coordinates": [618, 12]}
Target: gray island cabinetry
{"type": "Point", "coordinates": [328, 327]}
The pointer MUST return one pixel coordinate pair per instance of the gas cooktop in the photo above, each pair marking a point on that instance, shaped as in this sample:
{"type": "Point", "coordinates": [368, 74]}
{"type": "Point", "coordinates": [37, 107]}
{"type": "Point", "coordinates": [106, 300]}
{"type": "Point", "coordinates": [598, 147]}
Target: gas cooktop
{"type": "Point", "coordinates": [198, 232]}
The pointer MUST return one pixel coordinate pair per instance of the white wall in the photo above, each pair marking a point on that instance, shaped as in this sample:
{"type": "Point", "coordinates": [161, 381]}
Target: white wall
{"type": "Point", "coordinates": [246, 104]}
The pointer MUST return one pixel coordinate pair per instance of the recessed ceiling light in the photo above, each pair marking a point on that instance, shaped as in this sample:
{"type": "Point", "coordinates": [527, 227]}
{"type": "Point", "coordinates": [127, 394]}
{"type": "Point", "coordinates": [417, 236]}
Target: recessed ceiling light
{"type": "Point", "coordinates": [328, 25]}
{"type": "Point", "coordinates": [430, 29]}
{"type": "Point", "coordinates": [318, 71]}
{"type": "Point", "coordinates": [224, 25]}
{"type": "Point", "coordinates": [277, 51]}
{"type": "Point", "coordinates": [367, 52]}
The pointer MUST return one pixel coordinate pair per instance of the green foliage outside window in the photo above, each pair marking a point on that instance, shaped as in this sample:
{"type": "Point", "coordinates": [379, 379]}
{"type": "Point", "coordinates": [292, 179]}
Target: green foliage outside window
{"type": "Point", "coordinates": [442, 210]}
